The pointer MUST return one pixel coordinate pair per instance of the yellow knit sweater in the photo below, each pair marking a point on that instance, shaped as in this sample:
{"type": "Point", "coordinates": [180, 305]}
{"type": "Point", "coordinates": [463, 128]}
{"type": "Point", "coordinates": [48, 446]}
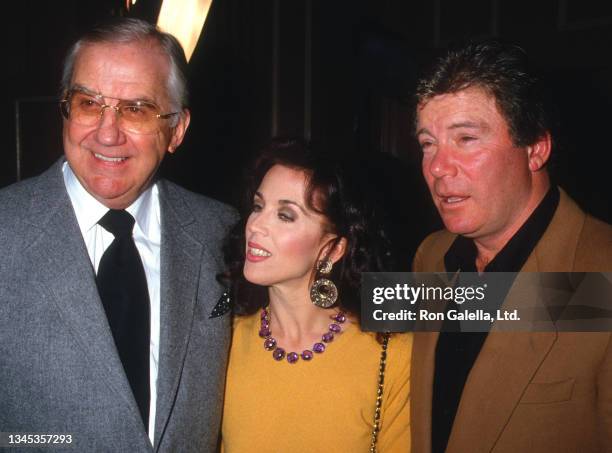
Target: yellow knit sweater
{"type": "Point", "coordinates": [325, 405]}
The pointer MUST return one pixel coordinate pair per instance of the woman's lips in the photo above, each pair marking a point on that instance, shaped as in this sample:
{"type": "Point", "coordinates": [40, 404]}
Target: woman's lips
{"type": "Point", "coordinates": [256, 252]}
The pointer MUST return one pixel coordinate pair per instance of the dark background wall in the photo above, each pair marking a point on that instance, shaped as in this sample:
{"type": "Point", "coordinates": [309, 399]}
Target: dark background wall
{"type": "Point", "coordinates": [337, 72]}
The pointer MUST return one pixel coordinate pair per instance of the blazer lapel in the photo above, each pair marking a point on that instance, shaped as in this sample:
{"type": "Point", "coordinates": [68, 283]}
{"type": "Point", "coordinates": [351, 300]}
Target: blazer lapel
{"type": "Point", "coordinates": [505, 366]}
{"type": "Point", "coordinates": [509, 360]}
{"type": "Point", "coordinates": [421, 382]}
{"type": "Point", "coordinates": [59, 260]}
{"type": "Point", "coordinates": [181, 258]}
{"type": "Point", "coordinates": [555, 252]}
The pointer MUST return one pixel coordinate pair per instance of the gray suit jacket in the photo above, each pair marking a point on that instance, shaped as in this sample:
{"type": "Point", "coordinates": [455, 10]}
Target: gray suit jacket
{"type": "Point", "coordinates": [59, 369]}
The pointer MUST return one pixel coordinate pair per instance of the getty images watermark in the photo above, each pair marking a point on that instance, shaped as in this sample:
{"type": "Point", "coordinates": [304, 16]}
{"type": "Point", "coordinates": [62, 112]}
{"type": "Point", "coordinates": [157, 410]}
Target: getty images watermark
{"type": "Point", "coordinates": [472, 302]}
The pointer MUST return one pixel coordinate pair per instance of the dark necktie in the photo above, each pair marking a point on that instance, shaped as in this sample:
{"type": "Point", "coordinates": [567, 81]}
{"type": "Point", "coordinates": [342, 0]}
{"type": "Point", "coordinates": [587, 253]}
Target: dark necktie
{"type": "Point", "coordinates": [122, 286]}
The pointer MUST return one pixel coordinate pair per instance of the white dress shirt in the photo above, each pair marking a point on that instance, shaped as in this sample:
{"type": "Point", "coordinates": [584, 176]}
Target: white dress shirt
{"type": "Point", "coordinates": [147, 237]}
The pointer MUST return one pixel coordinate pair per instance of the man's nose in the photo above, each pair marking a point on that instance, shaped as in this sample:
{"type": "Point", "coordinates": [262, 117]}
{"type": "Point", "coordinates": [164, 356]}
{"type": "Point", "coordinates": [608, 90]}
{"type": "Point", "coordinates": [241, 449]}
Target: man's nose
{"type": "Point", "coordinates": [443, 162]}
{"type": "Point", "coordinates": [108, 132]}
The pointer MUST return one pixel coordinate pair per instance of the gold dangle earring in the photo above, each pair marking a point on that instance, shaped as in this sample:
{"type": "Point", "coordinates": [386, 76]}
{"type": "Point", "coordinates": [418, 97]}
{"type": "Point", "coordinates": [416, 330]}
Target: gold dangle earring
{"type": "Point", "coordinates": [323, 292]}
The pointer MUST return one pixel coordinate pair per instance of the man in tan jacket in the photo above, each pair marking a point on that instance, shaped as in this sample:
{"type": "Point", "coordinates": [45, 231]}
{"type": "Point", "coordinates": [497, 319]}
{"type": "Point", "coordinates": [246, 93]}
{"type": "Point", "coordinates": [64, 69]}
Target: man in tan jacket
{"type": "Point", "coordinates": [486, 141]}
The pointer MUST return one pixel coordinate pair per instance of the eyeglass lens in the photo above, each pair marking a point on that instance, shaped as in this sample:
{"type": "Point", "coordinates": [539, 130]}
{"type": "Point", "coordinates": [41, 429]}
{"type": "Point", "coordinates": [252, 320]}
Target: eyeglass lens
{"type": "Point", "coordinates": [138, 117]}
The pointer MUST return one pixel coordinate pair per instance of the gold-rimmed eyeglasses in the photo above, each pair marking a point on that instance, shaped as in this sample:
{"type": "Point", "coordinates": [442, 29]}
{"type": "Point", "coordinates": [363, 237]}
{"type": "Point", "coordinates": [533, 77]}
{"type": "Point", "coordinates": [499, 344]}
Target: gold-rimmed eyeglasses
{"type": "Point", "coordinates": [86, 109]}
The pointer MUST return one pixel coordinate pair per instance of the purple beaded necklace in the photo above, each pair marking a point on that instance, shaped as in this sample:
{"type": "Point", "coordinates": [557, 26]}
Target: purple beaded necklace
{"type": "Point", "coordinates": [279, 353]}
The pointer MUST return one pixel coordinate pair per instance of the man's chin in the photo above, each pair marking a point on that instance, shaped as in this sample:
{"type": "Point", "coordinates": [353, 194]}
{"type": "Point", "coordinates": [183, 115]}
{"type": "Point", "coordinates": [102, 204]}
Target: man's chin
{"type": "Point", "coordinates": [113, 199]}
{"type": "Point", "coordinates": [461, 228]}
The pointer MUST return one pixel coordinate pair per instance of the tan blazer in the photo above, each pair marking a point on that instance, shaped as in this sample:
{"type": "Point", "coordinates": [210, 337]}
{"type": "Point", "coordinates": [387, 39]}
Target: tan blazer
{"type": "Point", "coordinates": [527, 392]}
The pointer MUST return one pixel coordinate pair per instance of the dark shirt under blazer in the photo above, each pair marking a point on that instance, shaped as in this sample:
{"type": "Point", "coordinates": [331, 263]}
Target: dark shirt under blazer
{"type": "Point", "coordinates": [538, 392]}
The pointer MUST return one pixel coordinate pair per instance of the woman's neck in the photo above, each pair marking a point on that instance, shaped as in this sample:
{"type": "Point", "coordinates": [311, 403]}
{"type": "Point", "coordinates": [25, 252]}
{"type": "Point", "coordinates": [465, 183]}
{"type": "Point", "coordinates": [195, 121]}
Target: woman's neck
{"type": "Point", "coordinates": [294, 321]}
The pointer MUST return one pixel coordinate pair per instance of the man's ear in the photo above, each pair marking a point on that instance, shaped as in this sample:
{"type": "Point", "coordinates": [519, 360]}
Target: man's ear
{"type": "Point", "coordinates": [539, 153]}
{"type": "Point", "coordinates": [178, 131]}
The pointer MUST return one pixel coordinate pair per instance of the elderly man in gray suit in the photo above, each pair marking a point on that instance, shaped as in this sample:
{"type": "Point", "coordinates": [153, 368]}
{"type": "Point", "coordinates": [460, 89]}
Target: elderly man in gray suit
{"type": "Point", "coordinates": [107, 274]}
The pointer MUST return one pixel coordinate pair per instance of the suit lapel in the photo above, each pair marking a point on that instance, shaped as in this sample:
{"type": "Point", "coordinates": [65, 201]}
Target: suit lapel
{"type": "Point", "coordinates": [504, 368]}
{"type": "Point", "coordinates": [59, 260]}
{"type": "Point", "coordinates": [423, 364]}
{"type": "Point", "coordinates": [181, 258]}
{"type": "Point", "coordinates": [502, 371]}
{"type": "Point", "coordinates": [421, 381]}
{"type": "Point", "coordinates": [555, 252]}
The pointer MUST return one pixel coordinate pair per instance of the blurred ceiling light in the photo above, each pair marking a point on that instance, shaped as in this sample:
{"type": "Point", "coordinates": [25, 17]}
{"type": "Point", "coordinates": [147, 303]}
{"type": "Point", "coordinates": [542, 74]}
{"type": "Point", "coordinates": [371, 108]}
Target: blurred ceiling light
{"type": "Point", "coordinates": [184, 19]}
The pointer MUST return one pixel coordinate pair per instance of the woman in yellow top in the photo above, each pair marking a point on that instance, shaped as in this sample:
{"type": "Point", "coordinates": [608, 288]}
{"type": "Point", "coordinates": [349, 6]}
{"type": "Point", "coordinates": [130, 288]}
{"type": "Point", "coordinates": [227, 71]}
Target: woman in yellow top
{"type": "Point", "coordinates": [302, 376]}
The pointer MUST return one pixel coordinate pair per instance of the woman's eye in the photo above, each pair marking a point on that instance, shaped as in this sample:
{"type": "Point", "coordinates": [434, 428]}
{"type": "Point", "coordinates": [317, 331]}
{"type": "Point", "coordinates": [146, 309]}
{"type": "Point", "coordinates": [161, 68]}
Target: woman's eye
{"type": "Point", "coordinates": [286, 216]}
{"type": "Point", "coordinates": [256, 207]}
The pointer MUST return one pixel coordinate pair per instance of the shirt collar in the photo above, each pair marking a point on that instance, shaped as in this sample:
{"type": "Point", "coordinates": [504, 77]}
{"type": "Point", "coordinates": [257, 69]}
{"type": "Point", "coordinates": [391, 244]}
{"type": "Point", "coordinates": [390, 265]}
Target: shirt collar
{"type": "Point", "coordinates": [462, 253]}
{"type": "Point", "coordinates": [142, 209]}
{"type": "Point", "coordinates": [89, 211]}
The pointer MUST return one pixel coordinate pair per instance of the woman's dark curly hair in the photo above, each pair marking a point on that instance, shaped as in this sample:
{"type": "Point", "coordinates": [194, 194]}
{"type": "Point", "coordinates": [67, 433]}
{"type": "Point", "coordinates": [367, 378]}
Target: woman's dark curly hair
{"type": "Point", "coordinates": [332, 191]}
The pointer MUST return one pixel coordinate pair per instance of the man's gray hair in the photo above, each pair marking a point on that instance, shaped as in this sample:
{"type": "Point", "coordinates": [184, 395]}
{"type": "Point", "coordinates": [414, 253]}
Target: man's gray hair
{"type": "Point", "coordinates": [128, 30]}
